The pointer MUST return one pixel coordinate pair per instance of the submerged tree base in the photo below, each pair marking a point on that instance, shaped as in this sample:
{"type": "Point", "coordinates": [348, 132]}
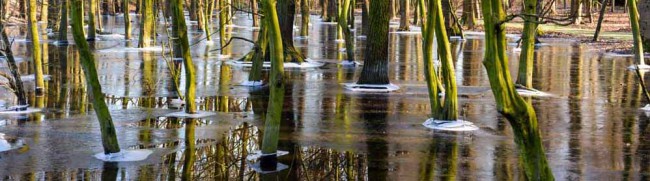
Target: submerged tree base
{"type": "Point", "coordinates": [124, 156]}
{"type": "Point", "coordinates": [10, 143]}
{"type": "Point", "coordinates": [449, 125]}
{"type": "Point", "coordinates": [261, 161]}
{"type": "Point", "coordinates": [371, 87]}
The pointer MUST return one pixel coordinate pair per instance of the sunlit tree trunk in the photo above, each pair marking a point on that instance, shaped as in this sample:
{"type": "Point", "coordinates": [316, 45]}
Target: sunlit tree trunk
{"type": "Point", "coordinates": [36, 49]}
{"type": "Point", "coordinates": [91, 20]}
{"type": "Point", "coordinates": [343, 24]}
{"type": "Point", "coordinates": [520, 114]}
{"type": "Point", "coordinates": [98, 15]}
{"type": "Point", "coordinates": [636, 33]}
{"type": "Point", "coordinates": [44, 13]}
{"type": "Point", "coordinates": [260, 51]}
{"type": "Point", "coordinates": [194, 16]}
{"type": "Point", "coordinates": [255, 11]}
{"type": "Point", "coordinates": [201, 15]}
{"type": "Point", "coordinates": [146, 24]}
{"type": "Point", "coordinates": [576, 11]}
{"type": "Point", "coordinates": [179, 26]}
{"type": "Point", "coordinates": [109, 136]}
{"type": "Point", "coordinates": [324, 9]}
{"type": "Point", "coordinates": [209, 13]}
{"type": "Point", "coordinates": [222, 24]}
{"type": "Point", "coordinates": [304, 11]}
{"type": "Point", "coordinates": [63, 26]}
{"type": "Point", "coordinates": [127, 19]}
{"type": "Point", "coordinates": [404, 13]}
{"type": "Point", "coordinates": [190, 149]}
{"type": "Point", "coordinates": [276, 98]}
{"type": "Point", "coordinates": [392, 8]}
{"type": "Point", "coordinates": [332, 10]}
{"type": "Point", "coordinates": [527, 56]}
{"type": "Point", "coordinates": [375, 67]}
{"type": "Point", "coordinates": [588, 6]}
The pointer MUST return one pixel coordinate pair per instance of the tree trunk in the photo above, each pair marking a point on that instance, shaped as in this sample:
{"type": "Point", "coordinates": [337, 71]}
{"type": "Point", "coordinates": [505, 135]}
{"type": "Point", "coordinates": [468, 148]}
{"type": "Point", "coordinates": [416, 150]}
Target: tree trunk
{"type": "Point", "coordinates": [146, 24]}
{"type": "Point", "coordinates": [201, 15]}
{"type": "Point", "coordinates": [36, 49]}
{"type": "Point", "coordinates": [18, 87]}
{"type": "Point", "coordinates": [450, 15]}
{"type": "Point", "coordinates": [527, 56]}
{"type": "Point", "coordinates": [276, 98]}
{"type": "Point", "coordinates": [343, 24]}
{"type": "Point", "coordinates": [304, 11]}
{"type": "Point", "coordinates": [222, 25]}
{"type": "Point", "coordinates": [636, 34]}
{"type": "Point", "coordinates": [44, 13]}
{"type": "Point", "coordinates": [405, 11]}
{"type": "Point", "coordinates": [644, 22]}
{"type": "Point", "coordinates": [588, 4]}
{"type": "Point", "coordinates": [365, 10]}
{"type": "Point", "coordinates": [392, 9]}
{"type": "Point", "coordinates": [190, 149]}
{"type": "Point", "coordinates": [332, 10]}
{"type": "Point", "coordinates": [255, 11]}
{"type": "Point", "coordinates": [375, 67]}
{"type": "Point", "coordinates": [180, 27]}
{"type": "Point", "coordinates": [601, 16]}
{"type": "Point", "coordinates": [127, 20]}
{"type": "Point", "coordinates": [109, 136]}
{"type": "Point", "coordinates": [194, 16]}
{"type": "Point", "coordinates": [63, 26]}
{"type": "Point", "coordinates": [468, 18]}
{"type": "Point", "coordinates": [91, 20]}
{"type": "Point", "coordinates": [324, 10]}
{"type": "Point", "coordinates": [98, 15]}
{"type": "Point", "coordinates": [286, 10]}
{"type": "Point", "coordinates": [260, 52]}
{"type": "Point", "coordinates": [576, 11]}
{"type": "Point", "coordinates": [513, 107]}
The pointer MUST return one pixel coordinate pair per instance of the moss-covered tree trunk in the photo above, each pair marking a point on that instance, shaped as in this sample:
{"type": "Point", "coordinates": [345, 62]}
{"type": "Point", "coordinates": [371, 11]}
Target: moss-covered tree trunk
{"type": "Point", "coordinates": [375, 67]}
{"type": "Point", "coordinates": [527, 56]}
{"type": "Point", "coordinates": [636, 33]}
{"type": "Point", "coordinates": [180, 27]}
{"type": "Point", "coordinates": [146, 24]}
{"type": "Point", "coordinates": [286, 10]}
{"type": "Point", "coordinates": [259, 52]}
{"type": "Point", "coordinates": [404, 24]}
{"type": "Point", "coordinates": [332, 11]}
{"type": "Point", "coordinates": [63, 25]}
{"type": "Point", "coordinates": [222, 24]}
{"type": "Point", "coordinates": [190, 149]}
{"type": "Point", "coordinates": [127, 19]}
{"type": "Point", "coordinates": [520, 114]}
{"type": "Point", "coordinates": [209, 12]}
{"type": "Point", "coordinates": [91, 20]}
{"type": "Point", "coordinates": [109, 136]}
{"type": "Point", "coordinates": [304, 11]}
{"type": "Point", "coordinates": [276, 98]}
{"type": "Point", "coordinates": [37, 57]}
{"type": "Point", "coordinates": [254, 14]}
{"type": "Point", "coordinates": [436, 23]}
{"type": "Point", "coordinates": [324, 10]}
{"type": "Point", "coordinates": [343, 24]}
{"type": "Point", "coordinates": [201, 15]}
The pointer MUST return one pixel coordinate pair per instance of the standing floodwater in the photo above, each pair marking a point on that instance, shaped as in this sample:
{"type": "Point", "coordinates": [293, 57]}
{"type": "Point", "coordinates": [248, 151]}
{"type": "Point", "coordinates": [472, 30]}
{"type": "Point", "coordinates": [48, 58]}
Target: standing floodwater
{"type": "Point", "coordinates": [591, 126]}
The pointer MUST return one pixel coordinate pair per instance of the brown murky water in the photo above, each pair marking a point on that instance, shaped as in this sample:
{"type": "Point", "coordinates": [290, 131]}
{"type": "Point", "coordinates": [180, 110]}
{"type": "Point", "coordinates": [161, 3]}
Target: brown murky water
{"type": "Point", "coordinates": [592, 126]}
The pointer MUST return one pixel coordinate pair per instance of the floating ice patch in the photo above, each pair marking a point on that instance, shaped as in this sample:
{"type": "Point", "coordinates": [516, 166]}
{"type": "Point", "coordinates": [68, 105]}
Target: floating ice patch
{"type": "Point", "coordinates": [407, 32]}
{"type": "Point", "coordinates": [31, 77]}
{"type": "Point", "coordinates": [532, 92]}
{"type": "Point", "coordinates": [350, 63]}
{"type": "Point", "coordinates": [456, 38]}
{"type": "Point", "coordinates": [124, 156]}
{"type": "Point", "coordinates": [646, 107]}
{"type": "Point", "coordinates": [252, 83]}
{"type": "Point", "coordinates": [183, 114]}
{"type": "Point", "coordinates": [9, 143]}
{"type": "Point", "coordinates": [339, 40]}
{"type": "Point", "coordinates": [446, 125]}
{"type": "Point", "coordinates": [13, 110]}
{"type": "Point", "coordinates": [61, 43]}
{"type": "Point", "coordinates": [257, 168]}
{"type": "Point", "coordinates": [222, 56]}
{"type": "Point", "coordinates": [308, 63]}
{"type": "Point", "coordinates": [300, 37]}
{"type": "Point", "coordinates": [342, 50]}
{"type": "Point", "coordinates": [258, 154]}
{"type": "Point", "coordinates": [147, 49]}
{"type": "Point", "coordinates": [111, 36]}
{"type": "Point", "coordinates": [209, 42]}
{"type": "Point", "coordinates": [516, 49]}
{"type": "Point", "coordinates": [634, 67]}
{"type": "Point", "coordinates": [370, 87]}
{"type": "Point", "coordinates": [362, 37]}
{"type": "Point", "coordinates": [328, 23]}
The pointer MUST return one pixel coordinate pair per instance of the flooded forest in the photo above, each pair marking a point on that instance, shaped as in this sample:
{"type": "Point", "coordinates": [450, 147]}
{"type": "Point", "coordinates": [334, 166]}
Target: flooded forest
{"type": "Point", "coordinates": [324, 90]}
